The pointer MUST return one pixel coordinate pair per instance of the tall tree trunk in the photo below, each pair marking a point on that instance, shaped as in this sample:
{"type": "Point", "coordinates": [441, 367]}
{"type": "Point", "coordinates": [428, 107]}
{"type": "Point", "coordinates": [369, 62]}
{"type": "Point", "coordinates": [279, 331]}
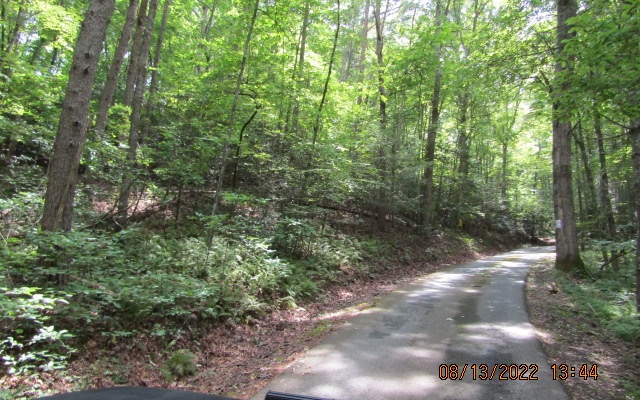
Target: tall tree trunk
{"type": "Point", "coordinates": [591, 202]}
{"type": "Point", "coordinates": [74, 121]}
{"type": "Point", "coordinates": [608, 225]}
{"type": "Point", "coordinates": [300, 71]}
{"type": "Point", "coordinates": [134, 57]}
{"type": "Point", "coordinates": [634, 136]}
{"type": "Point", "coordinates": [316, 126]}
{"type": "Point", "coordinates": [153, 85]}
{"type": "Point", "coordinates": [463, 153]}
{"type": "Point", "coordinates": [381, 206]}
{"type": "Point", "coordinates": [114, 70]}
{"type": "Point", "coordinates": [363, 47]}
{"type": "Point", "coordinates": [567, 251]}
{"type": "Point", "coordinates": [432, 129]}
{"type": "Point", "coordinates": [361, 65]}
{"type": "Point", "coordinates": [504, 184]}
{"type": "Point", "coordinates": [9, 40]}
{"type": "Point", "coordinates": [232, 119]}
{"type": "Point", "coordinates": [136, 114]}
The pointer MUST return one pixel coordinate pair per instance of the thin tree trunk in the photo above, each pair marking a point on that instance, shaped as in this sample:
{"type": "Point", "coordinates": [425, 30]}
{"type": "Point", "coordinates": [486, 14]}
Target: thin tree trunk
{"type": "Point", "coordinates": [236, 158]}
{"type": "Point", "coordinates": [136, 114]}
{"type": "Point", "coordinates": [232, 119]}
{"type": "Point", "coordinates": [591, 205]}
{"type": "Point", "coordinates": [567, 251]}
{"type": "Point", "coordinates": [609, 225]}
{"type": "Point", "coordinates": [361, 62]}
{"type": "Point", "coordinates": [381, 207]}
{"type": "Point", "coordinates": [634, 136]}
{"type": "Point", "coordinates": [300, 71]}
{"type": "Point", "coordinates": [9, 40]}
{"type": "Point", "coordinates": [432, 129]}
{"type": "Point", "coordinates": [463, 153]}
{"type": "Point", "coordinates": [316, 126]}
{"type": "Point", "coordinates": [74, 121]}
{"type": "Point", "coordinates": [363, 47]}
{"type": "Point", "coordinates": [114, 70]}
{"type": "Point", "coordinates": [134, 57]}
{"type": "Point", "coordinates": [504, 181]}
{"type": "Point", "coordinates": [153, 85]}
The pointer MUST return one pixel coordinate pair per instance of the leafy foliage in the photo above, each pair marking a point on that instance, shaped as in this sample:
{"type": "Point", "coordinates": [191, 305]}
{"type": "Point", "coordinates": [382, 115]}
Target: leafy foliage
{"type": "Point", "coordinates": [609, 297]}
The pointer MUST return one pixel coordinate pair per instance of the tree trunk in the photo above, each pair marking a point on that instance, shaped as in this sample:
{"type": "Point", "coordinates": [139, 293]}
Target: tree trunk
{"type": "Point", "coordinates": [232, 119]}
{"type": "Point", "coordinates": [590, 196]}
{"type": "Point", "coordinates": [300, 71]}
{"type": "Point", "coordinates": [634, 136]}
{"type": "Point", "coordinates": [316, 126]}
{"type": "Point", "coordinates": [608, 225]}
{"type": "Point", "coordinates": [363, 46]}
{"type": "Point", "coordinates": [136, 114]}
{"type": "Point", "coordinates": [463, 153]}
{"type": "Point", "coordinates": [74, 121]}
{"type": "Point", "coordinates": [361, 62]}
{"type": "Point", "coordinates": [567, 252]}
{"type": "Point", "coordinates": [381, 207]}
{"type": "Point", "coordinates": [153, 85]}
{"type": "Point", "coordinates": [134, 57]}
{"type": "Point", "coordinates": [114, 70]}
{"type": "Point", "coordinates": [504, 184]}
{"type": "Point", "coordinates": [432, 129]}
{"type": "Point", "coordinates": [9, 40]}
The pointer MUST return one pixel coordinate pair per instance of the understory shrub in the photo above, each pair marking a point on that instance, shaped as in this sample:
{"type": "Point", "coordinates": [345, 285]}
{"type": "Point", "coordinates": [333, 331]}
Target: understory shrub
{"type": "Point", "coordinates": [609, 296]}
{"type": "Point", "coordinates": [28, 339]}
{"type": "Point", "coordinates": [100, 284]}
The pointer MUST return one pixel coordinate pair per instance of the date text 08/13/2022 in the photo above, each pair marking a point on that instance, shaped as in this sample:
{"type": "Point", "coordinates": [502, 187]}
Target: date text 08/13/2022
{"type": "Point", "coordinates": [526, 372]}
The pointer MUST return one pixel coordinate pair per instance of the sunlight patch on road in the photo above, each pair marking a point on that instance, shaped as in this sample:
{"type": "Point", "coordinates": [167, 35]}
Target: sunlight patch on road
{"type": "Point", "coordinates": [517, 331]}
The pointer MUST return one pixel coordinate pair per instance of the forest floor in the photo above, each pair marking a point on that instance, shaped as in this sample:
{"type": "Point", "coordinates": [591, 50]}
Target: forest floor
{"type": "Point", "coordinates": [575, 339]}
{"type": "Point", "coordinates": [237, 360]}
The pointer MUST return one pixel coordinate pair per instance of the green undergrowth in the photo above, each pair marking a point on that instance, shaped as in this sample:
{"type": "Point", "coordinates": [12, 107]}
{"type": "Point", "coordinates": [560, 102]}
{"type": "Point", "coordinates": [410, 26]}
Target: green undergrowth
{"type": "Point", "coordinates": [607, 296]}
{"type": "Point", "coordinates": [61, 290]}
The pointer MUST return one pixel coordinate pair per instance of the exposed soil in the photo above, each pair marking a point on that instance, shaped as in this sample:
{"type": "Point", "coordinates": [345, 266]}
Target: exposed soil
{"type": "Point", "coordinates": [573, 339]}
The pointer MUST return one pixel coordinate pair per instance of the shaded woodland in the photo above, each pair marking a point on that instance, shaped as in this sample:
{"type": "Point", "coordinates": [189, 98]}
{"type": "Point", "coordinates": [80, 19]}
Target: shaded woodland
{"type": "Point", "coordinates": [168, 164]}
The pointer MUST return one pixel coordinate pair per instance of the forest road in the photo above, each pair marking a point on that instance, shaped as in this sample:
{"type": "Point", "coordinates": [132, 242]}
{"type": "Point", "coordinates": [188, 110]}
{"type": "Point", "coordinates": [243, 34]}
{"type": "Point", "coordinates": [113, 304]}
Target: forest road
{"type": "Point", "coordinates": [470, 316]}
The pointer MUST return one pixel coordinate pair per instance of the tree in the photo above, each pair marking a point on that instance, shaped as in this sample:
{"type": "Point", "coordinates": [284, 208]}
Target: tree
{"type": "Point", "coordinates": [432, 130]}
{"type": "Point", "coordinates": [114, 70]}
{"type": "Point", "coordinates": [74, 121]}
{"type": "Point", "coordinates": [567, 251]}
{"type": "Point", "coordinates": [141, 68]}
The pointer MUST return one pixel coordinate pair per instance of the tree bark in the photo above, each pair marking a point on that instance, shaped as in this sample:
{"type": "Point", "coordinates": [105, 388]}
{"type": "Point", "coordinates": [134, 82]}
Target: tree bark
{"type": "Point", "coordinates": [114, 70]}
{"type": "Point", "coordinates": [153, 85]}
{"type": "Point", "coordinates": [300, 71]}
{"type": "Point", "coordinates": [463, 154]}
{"type": "Point", "coordinates": [232, 119]}
{"type": "Point", "coordinates": [432, 129]}
{"type": "Point", "coordinates": [590, 196]}
{"type": "Point", "coordinates": [361, 65]}
{"type": "Point", "coordinates": [134, 57]}
{"type": "Point", "coordinates": [634, 136]}
{"type": "Point", "coordinates": [316, 126]}
{"type": "Point", "coordinates": [136, 114]}
{"type": "Point", "coordinates": [74, 121]}
{"type": "Point", "coordinates": [567, 251]}
{"type": "Point", "coordinates": [381, 207]}
{"type": "Point", "coordinates": [603, 187]}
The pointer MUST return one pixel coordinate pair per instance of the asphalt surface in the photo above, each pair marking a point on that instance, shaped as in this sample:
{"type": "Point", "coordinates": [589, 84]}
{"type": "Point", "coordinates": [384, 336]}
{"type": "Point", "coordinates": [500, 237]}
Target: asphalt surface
{"type": "Point", "coordinates": [471, 315]}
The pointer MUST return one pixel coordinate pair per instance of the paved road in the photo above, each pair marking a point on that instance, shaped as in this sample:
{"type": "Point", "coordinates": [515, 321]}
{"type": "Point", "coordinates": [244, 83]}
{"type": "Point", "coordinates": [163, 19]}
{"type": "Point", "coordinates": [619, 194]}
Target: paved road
{"type": "Point", "coordinates": [471, 314]}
